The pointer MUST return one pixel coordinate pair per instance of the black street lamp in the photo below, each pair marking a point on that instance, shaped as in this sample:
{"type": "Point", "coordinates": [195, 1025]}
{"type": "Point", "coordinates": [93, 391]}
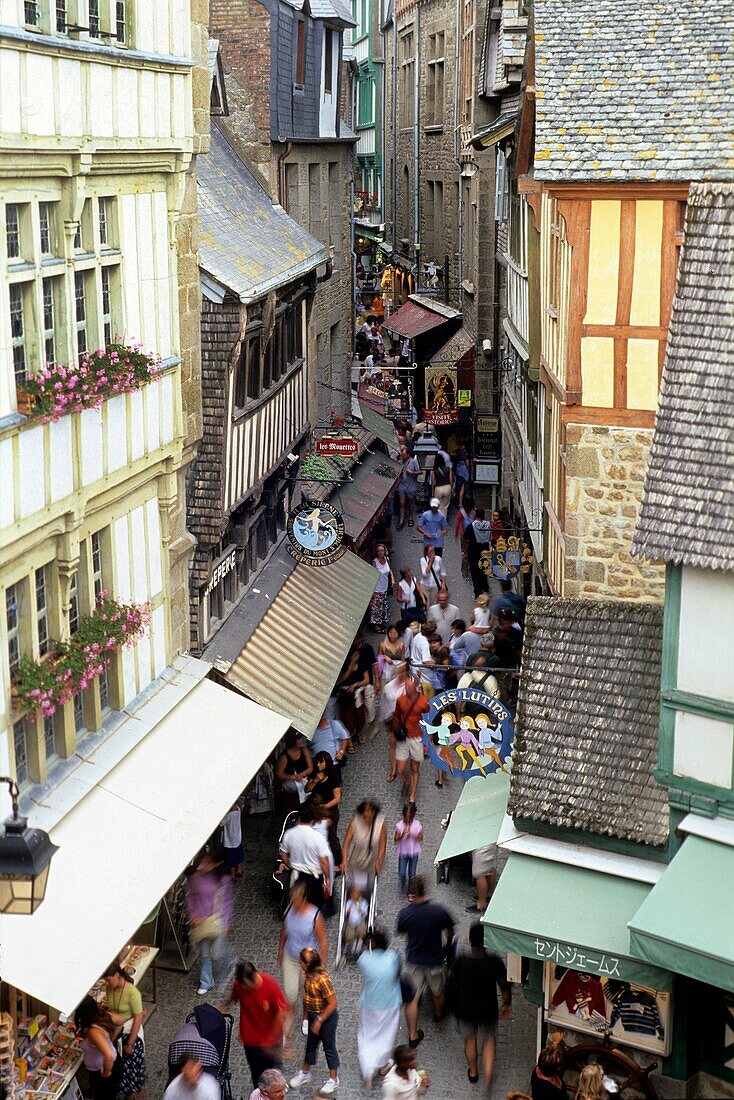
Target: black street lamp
{"type": "Point", "coordinates": [25, 860]}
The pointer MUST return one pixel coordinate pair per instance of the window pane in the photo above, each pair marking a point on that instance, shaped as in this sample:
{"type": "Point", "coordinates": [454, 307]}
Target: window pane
{"type": "Point", "coordinates": [49, 737]}
{"type": "Point", "coordinates": [49, 327]}
{"type": "Point", "coordinates": [17, 332]}
{"type": "Point", "coordinates": [94, 18]}
{"type": "Point", "coordinates": [74, 604]}
{"type": "Point", "coordinates": [120, 21]}
{"type": "Point", "coordinates": [44, 217]}
{"type": "Point", "coordinates": [106, 306]}
{"type": "Point", "coordinates": [80, 299]}
{"type": "Point", "coordinates": [78, 712]}
{"type": "Point", "coordinates": [30, 9]}
{"type": "Point", "coordinates": [97, 564]}
{"type": "Point", "coordinates": [102, 206]}
{"type": "Point", "coordinates": [12, 231]}
{"type": "Point", "coordinates": [61, 16]}
{"type": "Point", "coordinates": [41, 611]}
{"type": "Point", "coordinates": [21, 752]}
{"type": "Point", "coordinates": [12, 622]}
{"type": "Point", "coordinates": [104, 691]}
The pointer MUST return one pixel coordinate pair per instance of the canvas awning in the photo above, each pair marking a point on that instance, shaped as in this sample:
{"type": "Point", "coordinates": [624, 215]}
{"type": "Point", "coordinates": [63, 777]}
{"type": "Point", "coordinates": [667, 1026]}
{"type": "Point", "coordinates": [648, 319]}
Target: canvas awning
{"type": "Point", "coordinates": [686, 922]}
{"type": "Point", "coordinates": [296, 652]}
{"type": "Point", "coordinates": [453, 351]}
{"type": "Point", "coordinates": [478, 817]}
{"type": "Point", "coordinates": [414, 319]}
{"type": "Point", "coordinates": [380, 426]}
{"type": "Point", "coordinates": [571, 916]}
{"type": "Point", "coordinates": [127, 840]}
{"type": "Point", "coordinates": [362, 501]}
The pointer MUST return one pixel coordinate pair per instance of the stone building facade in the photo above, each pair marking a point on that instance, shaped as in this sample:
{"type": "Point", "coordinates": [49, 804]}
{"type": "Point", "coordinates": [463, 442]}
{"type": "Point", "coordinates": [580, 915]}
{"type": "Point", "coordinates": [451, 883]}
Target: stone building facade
{"type": "Point", "coordinates": [285, 95]}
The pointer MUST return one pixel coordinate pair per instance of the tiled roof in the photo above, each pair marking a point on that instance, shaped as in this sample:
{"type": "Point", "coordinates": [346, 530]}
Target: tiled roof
{"type": "Point", "coordinates": [587, 720]}
{"type": "Point", "coordinates": [631, 90]}
{"type": "Point", "coordinates": [687, 513]}
{"type": "Point", "coordinates": [246, 243]}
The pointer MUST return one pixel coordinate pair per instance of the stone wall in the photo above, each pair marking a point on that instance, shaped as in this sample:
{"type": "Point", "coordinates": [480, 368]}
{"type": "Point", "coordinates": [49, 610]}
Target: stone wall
{"type": "Point", "coordinates": [605, 472]}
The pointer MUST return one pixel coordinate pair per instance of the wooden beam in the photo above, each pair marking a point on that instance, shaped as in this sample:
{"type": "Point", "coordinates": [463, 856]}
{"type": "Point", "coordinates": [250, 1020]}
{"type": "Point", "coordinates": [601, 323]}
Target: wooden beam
{"type": "Point", "coordinates": [668, 260]}
{"type": "Point", "coordinates": [620, 373]}
{"type": "Point", "coordinates": [613, 418]}
{"type": "Point", "coordinates": [562, 393]}
{"type": "Point", "coordinates": [577, 216]}
{"type": "Point", "coordinates": [633, 191]}
{"type": "Point", "coordinates": [625, 332]}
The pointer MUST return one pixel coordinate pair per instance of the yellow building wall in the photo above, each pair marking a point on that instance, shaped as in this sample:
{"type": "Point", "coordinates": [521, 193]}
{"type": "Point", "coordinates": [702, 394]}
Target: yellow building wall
{"type": "Point", "coordinates": [597, 371]}
{"type": "Point", "coordinates": [645, 308]}
{"type": "Point", "coordinates": [642, 374]}
{"type": "Point", "coordinates": [604, 230]}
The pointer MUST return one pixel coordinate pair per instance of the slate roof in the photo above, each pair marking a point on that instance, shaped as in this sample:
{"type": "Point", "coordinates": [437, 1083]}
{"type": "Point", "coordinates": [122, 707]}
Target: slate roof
{"type": "Point", "coordinates": [687, 514]}
{"type": "Point", "coordinates": [631, 90]}
{"type": "Point", "coordinates": [587, 719]}
{"type": "Point", "coordinates": [330, 11]}
{"type": "Point", "coordinates": [503, 125]}
{"type": "Point", "coordinates": [246, 243]}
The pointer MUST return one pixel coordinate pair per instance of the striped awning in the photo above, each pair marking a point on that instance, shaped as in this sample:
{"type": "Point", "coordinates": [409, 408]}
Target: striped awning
{"type": "Point", "coordinates": [296, 652]}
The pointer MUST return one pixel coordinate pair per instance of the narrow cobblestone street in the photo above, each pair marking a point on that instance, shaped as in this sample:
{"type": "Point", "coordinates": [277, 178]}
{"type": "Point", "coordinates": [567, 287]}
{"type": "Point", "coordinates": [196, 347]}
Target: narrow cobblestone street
{"type": "Point", "coordinates": [256, 925]}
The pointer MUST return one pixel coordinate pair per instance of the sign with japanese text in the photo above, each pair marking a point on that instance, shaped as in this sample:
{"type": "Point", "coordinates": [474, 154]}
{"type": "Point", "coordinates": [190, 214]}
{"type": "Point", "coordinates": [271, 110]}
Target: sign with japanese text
{"type": "Point", "coordinates": [597, 1001]}
{"type": "Point", "coordinates": [346, 446]}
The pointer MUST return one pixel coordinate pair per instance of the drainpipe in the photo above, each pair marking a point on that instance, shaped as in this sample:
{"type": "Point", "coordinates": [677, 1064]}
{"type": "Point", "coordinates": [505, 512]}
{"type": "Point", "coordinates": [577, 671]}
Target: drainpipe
{"type": "Point", "coordinates": [416, 147]}
{"type": "Point", "coordinates": [393, 133]}
{"type": "Point", "coordinates": [282, 199]}
{"type": "Point", "coordinates": [457, 162]}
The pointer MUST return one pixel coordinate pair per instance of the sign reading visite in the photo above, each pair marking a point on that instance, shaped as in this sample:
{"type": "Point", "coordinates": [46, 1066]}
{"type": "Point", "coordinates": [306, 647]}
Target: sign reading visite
{"type": "Point", "coordinates": [220, 570]}
{"type": "Point", "coordinates": [315, 533]}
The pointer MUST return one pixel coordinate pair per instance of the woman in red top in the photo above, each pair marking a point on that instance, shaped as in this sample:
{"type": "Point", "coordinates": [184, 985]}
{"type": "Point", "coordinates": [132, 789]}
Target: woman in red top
{"type": "Point", "coordinates": [264, 1018]}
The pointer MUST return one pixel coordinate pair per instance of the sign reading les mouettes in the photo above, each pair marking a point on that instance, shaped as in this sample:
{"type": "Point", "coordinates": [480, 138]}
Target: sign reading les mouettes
{"type": "Point", "coordinates": [487, 437]}
{"type": "Point", "coordinates": [467, 732]}
{"type": "Point", "coordinates": [315, 533]}
{"type": "Point", "coordinates": [329, 445]}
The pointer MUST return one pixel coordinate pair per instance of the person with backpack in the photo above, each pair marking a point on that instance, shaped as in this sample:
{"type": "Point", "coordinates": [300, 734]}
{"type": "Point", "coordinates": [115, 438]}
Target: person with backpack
{"type": "Point", "coordinates": [507, 600]}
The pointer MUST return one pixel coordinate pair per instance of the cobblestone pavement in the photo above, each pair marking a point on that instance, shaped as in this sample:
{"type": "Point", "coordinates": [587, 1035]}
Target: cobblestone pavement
{"type": "Point", "coordinates": [256, 924]}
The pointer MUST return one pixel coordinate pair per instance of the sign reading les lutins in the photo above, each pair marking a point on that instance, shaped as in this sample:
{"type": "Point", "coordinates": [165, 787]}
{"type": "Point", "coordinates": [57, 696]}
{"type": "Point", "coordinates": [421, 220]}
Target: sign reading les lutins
{"type": "Point", "coordinates": [315, 533]}
{"type": "Point", "coordinates": [487, 437]}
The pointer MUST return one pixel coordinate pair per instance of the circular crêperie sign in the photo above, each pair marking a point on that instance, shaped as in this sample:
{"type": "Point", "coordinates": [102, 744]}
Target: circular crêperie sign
{"type": "Point", "coordinates": [315, 533]}
{"type": "Point", "coordinates": [467, 732]}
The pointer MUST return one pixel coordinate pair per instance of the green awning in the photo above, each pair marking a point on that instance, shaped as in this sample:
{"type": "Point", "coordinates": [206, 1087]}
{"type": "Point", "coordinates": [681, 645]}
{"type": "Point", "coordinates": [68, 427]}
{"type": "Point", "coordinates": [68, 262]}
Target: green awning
{"type": "Point", "coordinates": [478, 816]}
{"type": "Point", "coordinates": [686, 923]}
{"type": "Point", "coordinates": [571, 916]}
{"type": "Point", "coordinates": [379, 425]}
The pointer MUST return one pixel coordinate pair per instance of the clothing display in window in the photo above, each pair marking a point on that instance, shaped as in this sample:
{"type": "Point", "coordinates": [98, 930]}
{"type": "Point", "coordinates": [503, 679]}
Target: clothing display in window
{"type": "Point", "coordinates": [583, 996]}
{"type": "Point", "coordinates": [637, 1009]}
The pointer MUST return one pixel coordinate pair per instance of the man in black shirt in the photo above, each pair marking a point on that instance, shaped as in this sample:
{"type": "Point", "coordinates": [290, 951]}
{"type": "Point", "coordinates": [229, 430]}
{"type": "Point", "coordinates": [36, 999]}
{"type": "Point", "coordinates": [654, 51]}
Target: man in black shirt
{"type": "Point", "coordinates": [472, 994]}
{"type": "Point", "coordinates": [425, 922]}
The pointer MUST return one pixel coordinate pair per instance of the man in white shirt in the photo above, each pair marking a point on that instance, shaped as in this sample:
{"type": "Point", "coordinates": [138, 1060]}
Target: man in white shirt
{"type": "Point", "coordinates": [443, 615]}
{"type": "Point", "coordinates": [307, 854]}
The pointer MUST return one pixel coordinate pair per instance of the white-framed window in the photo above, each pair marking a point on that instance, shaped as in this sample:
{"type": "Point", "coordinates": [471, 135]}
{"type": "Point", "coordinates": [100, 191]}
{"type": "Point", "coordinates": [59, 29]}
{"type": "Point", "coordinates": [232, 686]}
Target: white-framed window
{"type": "Point", "coordinates": [121, 29]}
{"type": "Point", "coordinates": [20, 748]}
{"type": "Point", "coordinates": [102, 214]}
{"type": "Point", "coordinates": [42, 632]}
{"type": "Point", "coordinates": [12, 625]}
{"type": "Point", "coordinates": [74, 604]}
{"type": "Point", "coordinates": [47, 228]}
{"type": "Point", "coordinates": [12, 231]}
{"type": "Point", "coordinates": [60, 16]}
{"type": "Point", "coordinates": [106, 305]}
{"type": "Point", "coordinates": [81, 320]}
{"type": "Point", "coordinates": [95, 25]}
{"type": "Point", "coordinates": [17, 296]}
{"type": "Point", "coordinates": [31, 13]}
{"type": "Point", "coordinates": [79, 721]}
{"type": "Point", "coordinates": [49, 738]}
{"type": "Point", "coordinates": [49, 319]}
{"type": "Point", "coordinates": [97, 565]}
{"type": "Point", "coordinates": [501, 188]}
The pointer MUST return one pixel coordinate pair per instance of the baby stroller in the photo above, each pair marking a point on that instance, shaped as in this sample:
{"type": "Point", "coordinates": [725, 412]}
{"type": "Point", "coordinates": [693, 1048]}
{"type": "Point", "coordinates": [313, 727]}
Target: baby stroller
{"type": "Point", "coordinates": [206, 1036]}
{"type": "Point", "coordinates": [342, 941]}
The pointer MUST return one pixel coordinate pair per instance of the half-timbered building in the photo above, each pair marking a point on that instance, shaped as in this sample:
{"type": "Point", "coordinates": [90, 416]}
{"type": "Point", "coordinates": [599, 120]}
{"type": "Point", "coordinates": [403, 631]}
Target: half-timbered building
{"type": "Point", "coordinates": [605, 162]}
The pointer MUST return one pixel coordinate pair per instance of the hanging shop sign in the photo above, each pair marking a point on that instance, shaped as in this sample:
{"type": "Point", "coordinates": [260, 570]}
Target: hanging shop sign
{"type": "Point", "coordinates": [507, 558]}
{"type": "Point", "coordinates": [464, 400]}
{"type": "Point", "coordinates": [346, 446]}
{"type": "Point", "coordinates": [441, 396]}
{"type": "Point", "coordinates": [383, 392]}
{"type": "Point", "coordinates": [467, 732]}
{"type": "Point", "coordinates": [595, 1001]}
{"type": "Point", "coordinates": [221, 568]}
{"type": "Point", "coordinates": [315, 533]}
{"type": "Point", "coordinates": [487, 473]}
{"type": "Point", "coordinates": [487, 437]}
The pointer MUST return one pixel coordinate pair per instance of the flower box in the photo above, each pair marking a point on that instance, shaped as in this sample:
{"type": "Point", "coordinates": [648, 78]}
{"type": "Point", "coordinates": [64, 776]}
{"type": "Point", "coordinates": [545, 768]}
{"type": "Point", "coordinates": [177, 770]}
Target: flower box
{"type": "Point", "coordinates": [57, 390]}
